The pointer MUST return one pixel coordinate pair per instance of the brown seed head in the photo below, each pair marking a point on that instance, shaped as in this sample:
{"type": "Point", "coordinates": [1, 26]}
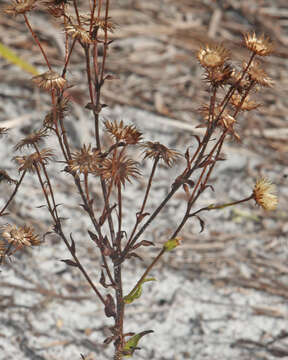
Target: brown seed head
{"type": "Point", "coordinates": [31, 140]}
{"type": "Point", "coordinates": [121, 132]}
{"type": "Point", "coordinates": [33, 161]}
{"type": "Point", "coordinates": [85, 161]}
{"type": "Point", "coordinates": [218, 76]}
{"type": "Point", "coordinates": [98, 22]}
{"type": "Point", "coordinates": [49, 80]}
{"type": "Point", "coordinates": [257, 74]}
{"type": "Point", "coordinates": [224, 121]}
{"type": "Point", "coordinates": [264, 194]}
{"type": "Point", "coordinates": [20, 237]}
{"type": "Point", "coordinates": [118, 170]}
{"type": "Point", "coordinates": [247, 104]}
{"type": "Point", "coordinates": [259, 45]}
{"type": "Point", "coordinates": [20, 7]}
{"type": "Point", "coordinates": [61, 109]}
{"type": "Point", "coordinates": [155, 150]}
{"type": "Point", "coordinates": [78, 32]}
{"type": "Point", "coordinates": [212, 56]}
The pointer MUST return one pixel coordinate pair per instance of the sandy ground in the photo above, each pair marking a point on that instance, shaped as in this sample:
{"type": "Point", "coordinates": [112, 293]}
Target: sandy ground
{"type": "Point", "coordinates": [223, 293]}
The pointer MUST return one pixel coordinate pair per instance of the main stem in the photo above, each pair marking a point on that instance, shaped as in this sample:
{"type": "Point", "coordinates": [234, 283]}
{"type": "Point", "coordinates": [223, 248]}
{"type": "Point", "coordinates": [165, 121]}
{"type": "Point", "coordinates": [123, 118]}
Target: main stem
{"type": "Point", "coordinates": [119, 313]}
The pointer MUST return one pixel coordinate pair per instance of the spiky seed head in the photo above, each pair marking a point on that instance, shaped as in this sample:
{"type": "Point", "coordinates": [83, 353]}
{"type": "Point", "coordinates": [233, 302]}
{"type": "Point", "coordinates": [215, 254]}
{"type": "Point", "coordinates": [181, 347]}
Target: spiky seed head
{"type": "Point", "coordinates": [261, 45]}
{"type": "Point", "coordinates": [121, 132]}
{"type": "Point", "coordinates": [155, 150]}
{"type": "Point", "coordinates": [49, 80]}
{"type": "Point", "coordinates": [212, 56]}
{"type": "Point", "coordinates": [247, 104]}
{"type": "Point", "coordinates": [100, 23]}
{"type": "Point", "coordinates": [257, 74]}
{"type": "Point", "coordinates": [33, 161]}
{"type": "Point", "coordinates": [78, 32]}
{"type": "Point", "coordinates": [264, 194]}
{"type": "Point", "coordinates": [118, 170]}
{"type": "Point", "coordinates": [31, 140]}
{"type": "Point", "coordinates": [224, 121]}
{"type": "Point", "coordinates": [20, 7]}
{"type": "Point", "coordinates": [218, 76]}
{"type": "Point", "coordinates": [85, 161]}
{"type": "Point", "coordinates": [20, 237]}
{"type": "Point", "coordinates": [61, 109]}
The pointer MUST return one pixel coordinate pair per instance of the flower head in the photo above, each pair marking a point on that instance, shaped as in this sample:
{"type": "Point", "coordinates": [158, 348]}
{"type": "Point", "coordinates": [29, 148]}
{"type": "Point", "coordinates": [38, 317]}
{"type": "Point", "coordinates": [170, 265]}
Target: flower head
{"type": "Point", "coordinates": [155, 150]}
{"type": "Point", "coordinates": [257, 74]}
{"type": "Point", "coordinates": [246, 105]}
{"type": "Point", "coordinates": [61, 108]}
{"type": "Point", "coordinates": [49, 80]}
{"type": "Point", "coordinates": [85, 160]}
{"type": "Point", "coordinates": [20, 237]}
{"type": "Point", "coordinates": [20, 7]}
{"type": "Point", "coordinates": [212, 56]}
{"type": "Point", "coordinates": [118, 170]}
{"type": "Point", "coordinates": [31, 140]}
{"type": "Point", "coordinates": [264, 194]}
{"type": "Point", "coordinates": [78, 32]}
{"type": "Point", "coordinates": [121, 132]}
{"type": "Point", "coordinates": [33, 161]}
{"type": "Point", "coordinates": [259, 45]}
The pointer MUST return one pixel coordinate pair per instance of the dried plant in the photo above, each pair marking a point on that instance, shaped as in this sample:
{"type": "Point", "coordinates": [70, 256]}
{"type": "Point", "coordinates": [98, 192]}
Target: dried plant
{"type": "Point", "coordinates": [230, 93]}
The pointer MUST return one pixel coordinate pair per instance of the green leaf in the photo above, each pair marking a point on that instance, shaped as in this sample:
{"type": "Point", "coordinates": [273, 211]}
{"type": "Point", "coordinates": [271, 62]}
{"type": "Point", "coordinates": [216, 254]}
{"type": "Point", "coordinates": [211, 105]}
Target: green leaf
{"type": "Point", "coordinates": [131, 345]}
{"type": "Point", "coordinates": [10, 56]}
{"type": "Point", "coordinates": [136, 292]}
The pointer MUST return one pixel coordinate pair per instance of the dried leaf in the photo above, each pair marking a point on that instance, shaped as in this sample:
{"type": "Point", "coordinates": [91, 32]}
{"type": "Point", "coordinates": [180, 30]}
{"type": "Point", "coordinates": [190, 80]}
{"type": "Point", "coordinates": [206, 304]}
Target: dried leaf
{"type": "Point", "coordinates": [70, 262]}
{"type": "Point", "coordinates": [110, 309]}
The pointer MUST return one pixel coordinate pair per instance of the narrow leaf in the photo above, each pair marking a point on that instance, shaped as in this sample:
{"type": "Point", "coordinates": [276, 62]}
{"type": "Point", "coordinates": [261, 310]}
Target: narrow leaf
{"type": "Point", "coordinates": [131, 345]}
{"type": "Point", "coordinates": [136, 293]}
{"type": "Point", "coordinates": [10, 56]}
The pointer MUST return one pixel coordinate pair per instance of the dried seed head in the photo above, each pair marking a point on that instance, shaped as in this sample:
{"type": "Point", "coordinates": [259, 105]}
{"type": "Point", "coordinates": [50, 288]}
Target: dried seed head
{"type": "Point", "coordinates": [20, 7]}
{"type": "Point", "coordinates": [238, 82]}
{"type": "Point", "coordinates": [212, 56]}
{"type": "Point", "coordinates": [98, 22]}
{"type": "Point", "coordinates": [79, 33]}
{"type": "Point", "coordinates": [33, 161]}
{"type": "Point", "coordinates": [61, 108]}
{"type": "Point", "coordinates": [264, 194]}
{"type": "Point", "coordinates": [225, 120]}
{"type": "Point", "coordinates": [155, 150]}
{"type": "Point", "coordinates": [259, 45]}
{"type": "Point", "coordinates": [218, 76]}
{"type": "Point", "coordinates": [85, 161]}
{"type": "Point", "coordinates": [121, 132]}
{"type": "Point", "coordinates": [118, 170]}
{"type": "Point", "coordinates": [20, 237]}
{"type": "Point", "coordinates": [247, 104]}
{"type": "Point", "coordinates": [31, 140]}
{"type": "Point", "coordinates": [257, 74]}
{"type": "Point", "coordinates": [4, 177]}
{"type": "Point", "coordinates": [49, 80]}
